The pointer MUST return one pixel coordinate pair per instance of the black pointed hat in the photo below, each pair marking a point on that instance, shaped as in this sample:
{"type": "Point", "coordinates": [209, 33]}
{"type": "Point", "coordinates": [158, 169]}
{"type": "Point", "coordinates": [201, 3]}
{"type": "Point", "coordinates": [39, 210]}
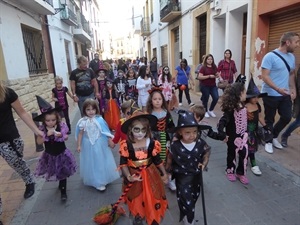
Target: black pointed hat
{"type": "Point", "coordinates": [253, 91]}
{"type": "Point", "coordinates": [45, 108]}
{"type": "Point", "coordinates": [241, 78]}
{"type": "Point", "coordinates": [101, 67]}
{"type": "Point", "coordinates": [187, 119]}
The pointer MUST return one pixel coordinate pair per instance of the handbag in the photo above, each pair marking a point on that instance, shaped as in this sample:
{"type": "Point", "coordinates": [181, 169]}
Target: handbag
{"type": "Point", "coordinates": [190, 83]}
{"type": "Point", "coordinates": [222, 84]}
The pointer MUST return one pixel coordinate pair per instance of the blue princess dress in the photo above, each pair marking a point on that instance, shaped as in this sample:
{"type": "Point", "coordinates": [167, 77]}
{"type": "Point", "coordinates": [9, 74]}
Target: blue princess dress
{"type": "Point", "coordinates": [97, 164]}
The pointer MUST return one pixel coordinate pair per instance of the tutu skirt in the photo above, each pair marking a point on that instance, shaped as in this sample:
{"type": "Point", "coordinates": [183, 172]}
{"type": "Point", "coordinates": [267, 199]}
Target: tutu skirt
{"type": "Point", "coordinates": [54, 168]}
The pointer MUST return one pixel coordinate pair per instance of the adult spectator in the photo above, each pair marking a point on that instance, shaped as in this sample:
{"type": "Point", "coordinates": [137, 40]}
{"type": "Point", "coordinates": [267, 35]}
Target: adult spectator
{"type": "Point", "coordinates": [207, 75]}
{"type": "Point", "coordinates": [296, 114]}
{"type": "Point", "coordinates": [122, 66]}
{"type": "Point", "coordinates": [153, 69]}
{"type": "Point", "coordinates": [182, 76]}
{"type": "Point", "coordinates": [94, 64]}
{"type": "Point", "coordinates": [83, 83]}
{"type": "Point", "coordinates": [11, 144]}
{"type": "Point", "coordinates": [227, 67]}
{"type": "Point", "coordinates": [278, 74]}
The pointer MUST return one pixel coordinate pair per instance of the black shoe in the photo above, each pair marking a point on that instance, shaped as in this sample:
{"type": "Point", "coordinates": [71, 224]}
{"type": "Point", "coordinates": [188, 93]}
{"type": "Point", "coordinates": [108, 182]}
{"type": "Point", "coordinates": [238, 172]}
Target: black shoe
{"type": "Point", "coordinates": [284, 141]}
{"type": "Point", "coordinates": [29, 191]}
{"type": "Point", "coordinates": [137, 220]}
{"type": "Point", "coordinates": [1, 222]}
{"type": "Point", "coordinates": [69, 132]}
{"type": "Point", "coordinates": [63, 197]}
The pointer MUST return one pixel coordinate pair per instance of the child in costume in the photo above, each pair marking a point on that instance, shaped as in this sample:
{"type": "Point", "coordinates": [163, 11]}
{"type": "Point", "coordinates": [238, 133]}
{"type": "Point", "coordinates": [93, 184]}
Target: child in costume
{"type": "Point", "coordinates": [234, 121]}
{"type": "Point", "coordinates": [127, 108]}
{"type": "Point", "coordinates": [59, 96]}
{"type": "Point", "coordinates": [112, 111]}
{"type": "Point", "coordinates": [57, 162]}
{"type": "Point", "coordinates": [189, 155]}
{"type": "Point", "coordinates": [97, 164]}
{"type": "Point", "coordinates": [165, 80]}
{"type": "Point", "coordinates": [130, 88]}
{"type": "Point", "coordinates": [119, 85]}
{"type": "Point", "coordinates": [157, 106]}
{"type": "Point", "coordinates": [101, 75]}
{"type": "Point", "coordinates": [140, 163]}
{"type": "Point", "coordinates": [254, 116]}
{"type": "Point", "coordinates": [143, 84]}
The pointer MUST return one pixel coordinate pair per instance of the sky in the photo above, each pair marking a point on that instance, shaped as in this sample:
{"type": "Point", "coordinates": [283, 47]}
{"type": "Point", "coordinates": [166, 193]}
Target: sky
{"type": "Point", "coordinates": [116, 15]}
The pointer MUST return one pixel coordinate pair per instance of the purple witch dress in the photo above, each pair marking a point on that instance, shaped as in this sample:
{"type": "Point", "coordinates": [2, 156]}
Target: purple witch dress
{"type": "Point", "coordinates": [57, 162]}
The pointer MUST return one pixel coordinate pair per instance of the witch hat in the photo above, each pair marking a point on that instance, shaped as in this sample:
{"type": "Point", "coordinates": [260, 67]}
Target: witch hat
{"type": "Point", "coordinates": [101, 67]}
{"type": "Point", "coordinates": [241, 78]}
{"type": "Point", "coordinates": [138, 114]}
{"type": "Point", "coordinates": [45, 108]}
{"type": "Point", "coordinates": [253, 91]}
{"type": "Point", "coordinates": [187, 119]}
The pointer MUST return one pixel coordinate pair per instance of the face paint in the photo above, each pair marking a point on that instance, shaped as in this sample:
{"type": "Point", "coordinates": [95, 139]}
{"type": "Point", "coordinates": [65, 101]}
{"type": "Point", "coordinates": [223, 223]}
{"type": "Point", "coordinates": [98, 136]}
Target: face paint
{"type": "Point", "coordinates": [139, 132]}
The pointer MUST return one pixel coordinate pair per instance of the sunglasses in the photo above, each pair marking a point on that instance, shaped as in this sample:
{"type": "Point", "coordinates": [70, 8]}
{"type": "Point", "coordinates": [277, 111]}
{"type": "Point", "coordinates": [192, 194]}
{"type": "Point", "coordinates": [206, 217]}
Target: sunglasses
{"type": "Point", "coordinates": [139, 130]}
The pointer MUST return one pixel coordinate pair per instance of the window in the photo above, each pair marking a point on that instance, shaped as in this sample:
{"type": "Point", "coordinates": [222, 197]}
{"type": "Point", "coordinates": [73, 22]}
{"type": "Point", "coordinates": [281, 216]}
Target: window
{"type": "Point", "coordinates": [34, 49]}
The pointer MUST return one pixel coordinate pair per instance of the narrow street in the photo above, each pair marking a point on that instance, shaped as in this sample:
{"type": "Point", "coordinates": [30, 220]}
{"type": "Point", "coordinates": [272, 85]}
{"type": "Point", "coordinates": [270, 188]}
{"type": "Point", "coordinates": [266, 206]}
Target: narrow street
{"type": "Point", "coordinates": [272, 199]}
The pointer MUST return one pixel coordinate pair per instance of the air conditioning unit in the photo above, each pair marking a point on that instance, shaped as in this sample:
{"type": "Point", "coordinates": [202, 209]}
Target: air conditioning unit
{"type": "Point", "coordinates": [217, 4]}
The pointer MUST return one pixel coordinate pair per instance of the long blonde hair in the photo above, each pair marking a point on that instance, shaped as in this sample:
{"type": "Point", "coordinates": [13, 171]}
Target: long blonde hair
{"type": "Point", "coordinates": [2, 91]}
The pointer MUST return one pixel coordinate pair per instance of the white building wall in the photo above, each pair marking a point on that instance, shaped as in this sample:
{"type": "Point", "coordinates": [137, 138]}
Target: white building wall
{"type": "Point", "coordinates": [186, 37]}
{"type": "Point", "coordinates": [12, 39]}
{"type": "Point", "coordinates": [226, 29]}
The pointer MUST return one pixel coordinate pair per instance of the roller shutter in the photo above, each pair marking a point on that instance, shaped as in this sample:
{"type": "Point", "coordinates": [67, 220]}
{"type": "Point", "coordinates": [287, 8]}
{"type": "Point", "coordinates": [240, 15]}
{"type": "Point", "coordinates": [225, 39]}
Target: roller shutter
{"type": "Point", "coordinates": [283, 22]}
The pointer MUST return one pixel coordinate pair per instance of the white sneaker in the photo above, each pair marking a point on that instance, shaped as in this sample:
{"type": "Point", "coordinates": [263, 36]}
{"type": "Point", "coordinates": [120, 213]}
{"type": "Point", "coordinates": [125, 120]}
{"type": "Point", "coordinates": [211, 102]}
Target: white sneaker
{"type": "Point", "coordinates": [276, 143]}
{"type": "Point", "coordinates": [191, 104]}
{"type": "Point", "coordinates": [101, 188]}
{"type": "Point", "coordinates": [172, 185]}
{"type": "Point", "coordinates": [211, 113]}
{"type": "Point", "coordinates": [180, 104]}
{"type": "Point", "coordinates": [206, 115]}
{"type": "Point", "coordinates": [269, 148]}
{"type": "Point", "coordinates": [256, 170]}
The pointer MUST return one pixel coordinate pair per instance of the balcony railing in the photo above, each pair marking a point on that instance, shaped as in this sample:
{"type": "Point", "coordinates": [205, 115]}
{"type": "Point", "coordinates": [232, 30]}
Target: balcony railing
{"type": "Point", "coordinates": [68, 16]}
{"type": "Point", "coordinates": [145, 26]}
{"type": "Point", "coordinates": [171, 11]}
{"type": "Point", "coordinates": [84, 24]}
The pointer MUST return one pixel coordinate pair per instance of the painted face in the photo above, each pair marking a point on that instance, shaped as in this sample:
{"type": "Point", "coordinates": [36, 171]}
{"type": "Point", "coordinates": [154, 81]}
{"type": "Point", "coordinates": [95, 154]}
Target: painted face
{"type": "Point", "coordinates": [50, 120]}
{"type": "Point", "coordinates": [139, 131]}
{"type": "Point", "coordinates": [120, 75]}
{"type": "Point", "coordinates": [58, 84]}
{"type": "Point", "coordinates": [90, 111]}
{"type": "Point", "coordinates": [188, 134]}
{"type": "Point", "coordinates": [157, 100]}
{"type": "Point", "coordinates": [243, 96]}
{"type": "Point", "coordinates": [166, 70]}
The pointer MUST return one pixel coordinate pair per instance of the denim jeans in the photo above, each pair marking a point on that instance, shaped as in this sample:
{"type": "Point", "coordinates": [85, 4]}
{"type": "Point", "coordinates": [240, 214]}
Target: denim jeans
{"type": "Point", "coordinates": [294, 125]}
{"type": "Point", "coordinates": [283, 105]}
{"type": "Point", "coordinates": [213, 92]}
{"type": "Point", "coordinates": [81, 100]}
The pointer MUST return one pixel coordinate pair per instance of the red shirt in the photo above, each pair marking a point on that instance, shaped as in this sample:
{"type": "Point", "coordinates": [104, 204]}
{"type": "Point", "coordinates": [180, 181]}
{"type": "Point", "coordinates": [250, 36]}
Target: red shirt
{"type": "Point", "coordinates": [210, 82]}
{"type": "Point", "coordinates": [227, 70]}
{"type": "Point", "coordinates": [119, 134]}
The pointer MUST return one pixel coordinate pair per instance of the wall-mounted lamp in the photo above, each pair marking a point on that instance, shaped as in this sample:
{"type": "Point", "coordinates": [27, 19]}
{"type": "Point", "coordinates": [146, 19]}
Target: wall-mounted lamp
{"type": "Point", "coordinates": [62, 7]}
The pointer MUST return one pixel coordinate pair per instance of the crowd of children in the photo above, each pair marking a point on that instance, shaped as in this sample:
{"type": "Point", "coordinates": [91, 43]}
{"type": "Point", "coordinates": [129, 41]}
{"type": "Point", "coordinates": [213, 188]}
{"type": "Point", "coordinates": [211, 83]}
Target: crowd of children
{"type": "Point", "coordinates": [152, 149]}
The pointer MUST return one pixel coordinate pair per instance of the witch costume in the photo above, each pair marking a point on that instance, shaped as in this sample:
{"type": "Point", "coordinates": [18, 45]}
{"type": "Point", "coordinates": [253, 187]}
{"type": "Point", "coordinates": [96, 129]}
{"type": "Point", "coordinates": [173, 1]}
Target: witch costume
{"type": "Point", "coordinates": [57, 162]}
{"type": "Point", "coordinates": [185, 167]}
{"type": "Point", "coordinates": [145, 199]}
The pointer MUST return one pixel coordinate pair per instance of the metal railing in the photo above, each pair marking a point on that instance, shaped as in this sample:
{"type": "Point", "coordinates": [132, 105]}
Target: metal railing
{"type": "Point", "coordinates": [34, 48]}
{"type": "Point", "coordinates": [171, 6]}
{"type": "Point", "coordinates": [67, 13]}
{"type": "Point", "coordinates": [145, 25]}
{"type": "Point", "coordinates": [83, 23]}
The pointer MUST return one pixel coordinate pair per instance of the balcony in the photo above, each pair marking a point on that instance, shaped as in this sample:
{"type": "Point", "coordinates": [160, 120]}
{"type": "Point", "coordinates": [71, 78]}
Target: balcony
{"type": "Point", "coordinates": [82, 30]}
{"type": "Point", "coordinates": [145, 27]}
{"type": "Point", "coordinates": [69, 17]}
{"type": "Point", "coordinates": [43, 7]}
{"type": "Point", "coordinates": [170, 12]}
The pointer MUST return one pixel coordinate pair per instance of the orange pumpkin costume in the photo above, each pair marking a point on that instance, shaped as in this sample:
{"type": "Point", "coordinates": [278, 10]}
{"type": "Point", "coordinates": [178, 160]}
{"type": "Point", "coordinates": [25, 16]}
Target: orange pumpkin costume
{"type": "Point", "coordinates": [146, 198]}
